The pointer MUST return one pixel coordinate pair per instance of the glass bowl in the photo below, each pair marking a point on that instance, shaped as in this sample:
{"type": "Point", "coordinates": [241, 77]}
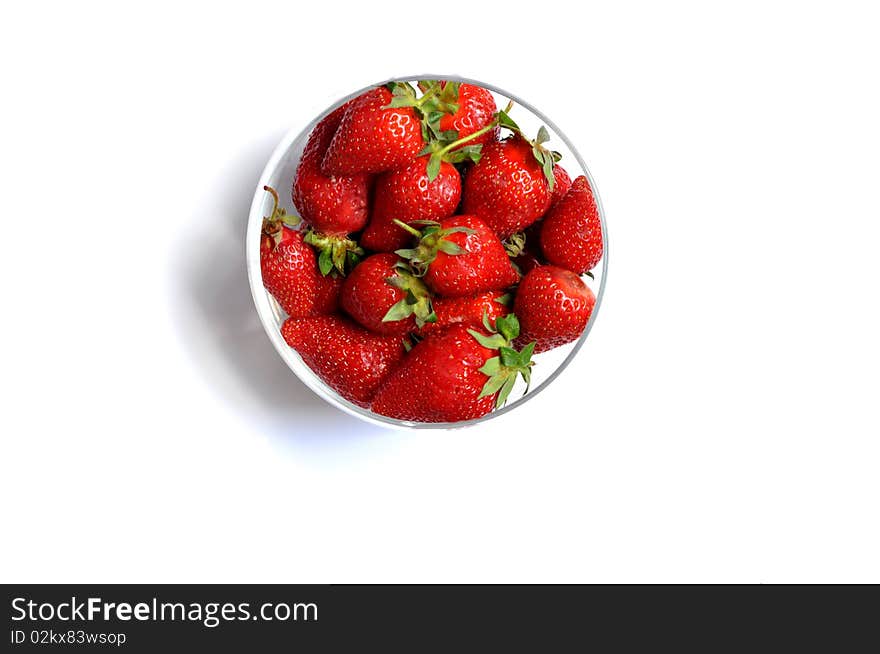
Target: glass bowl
{"type": "Point", "coordinates": [279, 172]}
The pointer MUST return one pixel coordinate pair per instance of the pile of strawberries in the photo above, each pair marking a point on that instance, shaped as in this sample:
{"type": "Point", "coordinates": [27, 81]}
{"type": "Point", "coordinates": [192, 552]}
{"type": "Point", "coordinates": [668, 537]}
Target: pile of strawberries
{"type": "Point", "coordinates": [439, 249]}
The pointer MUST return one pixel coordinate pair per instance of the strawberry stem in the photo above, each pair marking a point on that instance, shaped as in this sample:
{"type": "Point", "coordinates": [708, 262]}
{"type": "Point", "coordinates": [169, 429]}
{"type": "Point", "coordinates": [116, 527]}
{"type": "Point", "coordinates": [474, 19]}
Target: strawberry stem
{"type": "Point", "coordinates": [274, 199]}
{"type": "Point", "coordinates": [273, 223]}
{"type": "Point", "coordinates": [408, 228]}
{"type": "Point", "coordinates": [470, 137]}
{"type": "Point", "coordinates": [427, 95]}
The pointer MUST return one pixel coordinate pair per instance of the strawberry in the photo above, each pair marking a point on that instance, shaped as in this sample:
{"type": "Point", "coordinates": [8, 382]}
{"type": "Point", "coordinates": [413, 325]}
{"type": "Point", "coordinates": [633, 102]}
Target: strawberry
{"type": "Point", "coordinates": [460, 109]}
{"type": "Point", "coordinates": [350, 359]}
{"type": "Point", "coordinates": [561, 185]}
{"type": "Point", "coordinates": [469, 311]}
{"type": "Point", "coordinates": [456, 373]}
{"type": "Point", "coordinates": [553, 306]}
{"type": "Point", "coordinates": [476, 109]}
{"type": "Point", "coordinates": [380, 131]}
{"type": "Point", "coordinates": [290, 271]}
{"type": "Point", "coordinates": [444, 372]}
{"type": "Point", "coordinates": [384, 297]}
{"type": "Point", "coordinates": [509, 188]}
{"type": "Point", "coordinates": [329, 204]}
{"type": "Point", "coordinates": [460, 256]}
{"type": "Point", "coordinates": [408, 195]}
{"type": "Point", "coordinates": [571, 233]}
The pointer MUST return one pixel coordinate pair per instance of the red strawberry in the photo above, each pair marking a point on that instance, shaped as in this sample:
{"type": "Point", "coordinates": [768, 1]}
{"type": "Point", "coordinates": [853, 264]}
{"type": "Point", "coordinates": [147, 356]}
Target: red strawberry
{"type": "Point", "coordinates": [350, 359]}
{"type": "Point", "coordinates": [553, 306]}
{"type": "Point", "coordinates": [571, 233]}
{"type": "Point", "coordinates": [455, 374]}
{"type": "Point", "coordinates": [463, 108]}
{"type": "Point", "coordinates": [332, 205]}
{"type": "Point", "coordinates": [438, 381]}
{"type": "Point", "coordinates": [476, 109]}
{"type": "Point", "coordinates": [407, 195]}
{"type": "Point", "coordinates": [468, 311]}
{"type": "Point", "coordinates": [380, 131]}
{"type": "Point", "coordinates": [384, 297]}
{"type": "Point", "coordinates": [460, 256]}
{"type": "Point", "coordinates": [508, 188]}
{"type": "Point", "coordinates": [290, 271]}
{"type": "Point", "coordinates": [561, 185]}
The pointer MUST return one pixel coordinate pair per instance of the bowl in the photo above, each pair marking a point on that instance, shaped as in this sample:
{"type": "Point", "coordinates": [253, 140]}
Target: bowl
{"type": "Point", "coordinates": [279, 172]}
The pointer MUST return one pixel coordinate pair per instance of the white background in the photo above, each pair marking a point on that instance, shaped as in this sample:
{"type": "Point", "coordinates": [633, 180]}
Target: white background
{"type": "Point", "coordinates": [720, 424]}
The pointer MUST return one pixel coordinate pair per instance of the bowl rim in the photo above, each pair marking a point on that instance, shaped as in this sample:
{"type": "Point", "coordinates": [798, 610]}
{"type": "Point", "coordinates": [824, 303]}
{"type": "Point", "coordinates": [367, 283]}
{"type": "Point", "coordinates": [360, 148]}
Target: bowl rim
{"type": "Point", "coordinates": [267, 314]}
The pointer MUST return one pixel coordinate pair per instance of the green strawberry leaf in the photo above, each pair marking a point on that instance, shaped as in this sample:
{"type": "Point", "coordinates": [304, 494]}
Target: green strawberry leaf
{"type": "Point", "coordinates": [506, 121]}
{"type": "Point", "coordinates": [406, 253]}
{"type": "Point", "coordinates": [398, 281]}
{"type": "Point", "coordinates": [504, 300]}
{"type": "Point", "coordinates": [491, 367]}
{"type": "Point", "coordinates": [527, 377]}
{"type": "Point", "coordinates": [450, 248]}
{"type": "Point", "coordinates": [325, 262]}
{"type": "Point", "coordinates": [526, 354]}
{"type": "Point", "coordinates": [492, 342]}
{"type": "Point", "coordinates": [433, 168]}
{"type": "Point", "coordinates": [543, 135]}
{"type": "Point", "coordinates": [417, 300]}
{"type": "Point", "coordinates": [432, 123]}
{"type": "Point", "coordinates": [398, 311]}
{"type": "Point", "coordinates": [334, 251]}
{"type": "Point", "coordinates": [338, 256]}
{"type": "Point", "coordinates": [508, 326]}
{"type": "Point", "coordinates": [548, 172]}
{"type": "Point", "coordinates": [489, 327]}
{"type": "Point", "coordinates": [398, 101]}
{"type": "Point", "coordinates": [509, 356]}
{"type": "Point", "coordinates": [590, 274]}
{"type": "Point", "coordinates": [493, 384]}
{"type": "Point", "coordinates": [504, 369]}
{"type": "Point", "coordinates": [505, 391]}
{"type": "Point", "coordinates": [538, 154]}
